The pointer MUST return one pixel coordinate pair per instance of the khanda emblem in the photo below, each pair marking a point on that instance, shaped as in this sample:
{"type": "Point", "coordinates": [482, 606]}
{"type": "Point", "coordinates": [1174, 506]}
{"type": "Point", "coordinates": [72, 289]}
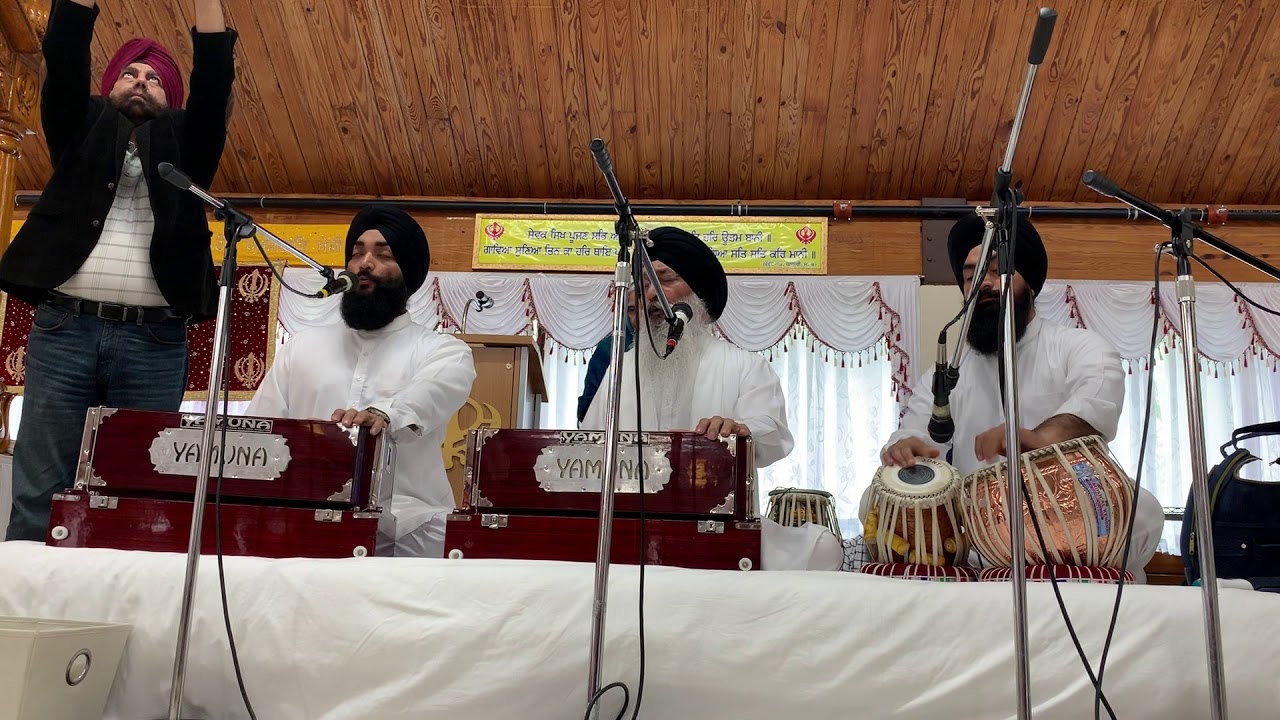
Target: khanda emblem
{"type": "Point", "coordinates": [16, 364]}
{"type": "Point", "coordinates": [806, 235]}
{"type": "Point", "coordinates": [455, 437]}
{"type": "Point", "coordinates": [253, 286]}
{"type": "Point", "coordinates": [494, 230]}
{"type": "Point", "coordinates": [249, 370]}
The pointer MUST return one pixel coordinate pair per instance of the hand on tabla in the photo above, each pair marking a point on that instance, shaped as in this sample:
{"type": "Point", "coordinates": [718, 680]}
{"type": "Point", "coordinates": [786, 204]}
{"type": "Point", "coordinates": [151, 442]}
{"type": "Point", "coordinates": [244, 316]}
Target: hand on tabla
{"type": "Point", "coordinates": [904, 452]}
{"type": "Point", "coordinates": [991, 444]}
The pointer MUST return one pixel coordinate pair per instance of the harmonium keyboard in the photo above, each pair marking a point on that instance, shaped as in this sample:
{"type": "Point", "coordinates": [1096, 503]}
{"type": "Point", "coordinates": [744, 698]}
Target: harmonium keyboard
{"type": "Point", "coordinates": [289, 488]}
{"type": "Point", "coordinates": [535, 494]}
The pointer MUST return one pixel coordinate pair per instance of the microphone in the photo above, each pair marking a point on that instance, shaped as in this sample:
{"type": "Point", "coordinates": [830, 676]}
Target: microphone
{"type": "Point", "coordinates": [343, 282]}
{"type": "Point", "coordinates": [483, 301]}
{"type": "Point", "coordinates": [1044, 33]}
{"type": "Point", "coordinates": [941, 426]}
{"type": "Point", "coordinates": [174, 176]}
{"type": "Point", "coordinates": [601, 154]}
{"type": "Point", "coordinates": [1100, 183]}
{"type": "Point", "coordinates": [681, 314]}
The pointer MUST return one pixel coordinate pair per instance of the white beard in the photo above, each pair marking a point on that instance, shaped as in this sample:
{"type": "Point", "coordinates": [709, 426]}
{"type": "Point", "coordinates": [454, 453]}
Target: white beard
{"type": "Point", "coordinates": [666, 385]}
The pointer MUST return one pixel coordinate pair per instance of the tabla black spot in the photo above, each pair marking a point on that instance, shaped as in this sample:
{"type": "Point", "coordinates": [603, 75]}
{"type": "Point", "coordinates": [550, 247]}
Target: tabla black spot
{"type": "Point", "coordinates": [917, 475]}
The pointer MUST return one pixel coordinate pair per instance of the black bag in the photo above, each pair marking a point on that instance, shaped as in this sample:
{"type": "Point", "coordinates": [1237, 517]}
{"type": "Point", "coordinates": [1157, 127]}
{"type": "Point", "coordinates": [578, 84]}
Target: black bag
{"type": "Point", "coordinates": [1244, 515]}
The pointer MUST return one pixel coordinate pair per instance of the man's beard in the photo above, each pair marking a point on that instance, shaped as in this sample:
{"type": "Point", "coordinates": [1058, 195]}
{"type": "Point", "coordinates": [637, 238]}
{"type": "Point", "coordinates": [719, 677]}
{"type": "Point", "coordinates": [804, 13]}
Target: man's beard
{"type": "Point", "coordinates": [668, 383]}
{"type": "Point", "coordinates": [139, 111]}
{"type": "Point", "coordinates": [375, 310]}
{"type": "Point", "coordinates": [985, 330]}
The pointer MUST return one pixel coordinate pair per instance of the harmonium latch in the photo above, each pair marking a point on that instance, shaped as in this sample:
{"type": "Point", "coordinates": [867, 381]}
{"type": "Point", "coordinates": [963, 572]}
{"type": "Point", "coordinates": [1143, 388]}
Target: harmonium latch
{"type": "Point", "coordinates": [493, 522]}
{"type": "Point", "coordinates": [103, 502]}
{"type": "Point", "coordinates": [711, 527]}
{"type": "Point", "coordinates": [330, 516]}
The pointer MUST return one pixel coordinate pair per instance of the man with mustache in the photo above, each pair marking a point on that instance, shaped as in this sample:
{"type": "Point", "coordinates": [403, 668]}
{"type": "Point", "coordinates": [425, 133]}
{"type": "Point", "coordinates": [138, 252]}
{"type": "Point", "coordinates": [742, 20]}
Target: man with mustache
{"type": "Point", "coordinates": [1070, 380]}
{"type": "Point", "coordinates": [707, 385]}
{"type": "Point", "coordinates": [382, 370]}
{"type": "Point", "coordinates": [116, 261]}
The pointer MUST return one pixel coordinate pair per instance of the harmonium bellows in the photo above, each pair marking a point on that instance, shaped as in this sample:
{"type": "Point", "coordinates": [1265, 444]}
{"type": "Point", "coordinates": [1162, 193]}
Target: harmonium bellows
{"type": "Point", "coordinates": [535, 494]}
{"type": "Point", "coordinates": [289, 488]}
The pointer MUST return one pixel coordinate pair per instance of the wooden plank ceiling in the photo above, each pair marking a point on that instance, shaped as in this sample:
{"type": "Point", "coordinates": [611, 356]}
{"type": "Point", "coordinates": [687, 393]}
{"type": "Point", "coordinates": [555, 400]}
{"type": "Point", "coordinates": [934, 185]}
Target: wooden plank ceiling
{"type": "Point", "coordinates": [1179, 100]}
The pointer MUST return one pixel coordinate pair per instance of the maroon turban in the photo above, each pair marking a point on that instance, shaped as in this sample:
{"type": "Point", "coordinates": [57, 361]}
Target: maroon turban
{"type": "Point", "coordinates": [152, 53]}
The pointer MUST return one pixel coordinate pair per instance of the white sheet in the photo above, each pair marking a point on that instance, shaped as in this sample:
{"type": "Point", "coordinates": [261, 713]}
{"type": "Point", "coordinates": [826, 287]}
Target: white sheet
{"type": "Point", "coordinates": [391, 638]}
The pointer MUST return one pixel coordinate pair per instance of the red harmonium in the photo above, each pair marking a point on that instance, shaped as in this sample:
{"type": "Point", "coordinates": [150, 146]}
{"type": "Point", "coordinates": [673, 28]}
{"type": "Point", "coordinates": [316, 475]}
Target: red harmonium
{"type": "Point", "coordinates": [81, 519]}
{"type": "Point", "coordinates": [535, 494]}
{"type": "Point", "coordinates": [289, 488]}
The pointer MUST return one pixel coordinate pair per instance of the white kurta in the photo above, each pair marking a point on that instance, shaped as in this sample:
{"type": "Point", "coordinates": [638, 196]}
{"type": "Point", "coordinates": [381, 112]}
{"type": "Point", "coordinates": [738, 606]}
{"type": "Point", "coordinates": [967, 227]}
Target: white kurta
{"type": "Point", "coordinates": [731, 383]}
{"type": "Point", "coordinates": [1061, 370]}
{"type": "Point", "coordinates": [417, 376]}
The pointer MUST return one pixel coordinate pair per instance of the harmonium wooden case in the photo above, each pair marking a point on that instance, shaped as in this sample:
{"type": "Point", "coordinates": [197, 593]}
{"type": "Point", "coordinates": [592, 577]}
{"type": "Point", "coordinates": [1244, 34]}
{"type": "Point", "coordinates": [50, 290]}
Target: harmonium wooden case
{"type": "Point", "coordinates": [289, 488]}
{"type": "Point", "coordinates": [535, 495]}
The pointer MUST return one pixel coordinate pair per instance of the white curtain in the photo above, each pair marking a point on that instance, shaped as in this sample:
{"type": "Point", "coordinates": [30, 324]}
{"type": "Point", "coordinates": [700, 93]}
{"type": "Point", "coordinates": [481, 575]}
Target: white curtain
{"type": "Point", "coordinates": [1239, 382]}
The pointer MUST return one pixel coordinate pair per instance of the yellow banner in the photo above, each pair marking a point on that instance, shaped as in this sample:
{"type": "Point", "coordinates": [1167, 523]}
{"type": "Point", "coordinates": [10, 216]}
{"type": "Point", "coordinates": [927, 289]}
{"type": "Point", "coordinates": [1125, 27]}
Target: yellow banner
{"type": "Point", "coordinates": [588, 243]}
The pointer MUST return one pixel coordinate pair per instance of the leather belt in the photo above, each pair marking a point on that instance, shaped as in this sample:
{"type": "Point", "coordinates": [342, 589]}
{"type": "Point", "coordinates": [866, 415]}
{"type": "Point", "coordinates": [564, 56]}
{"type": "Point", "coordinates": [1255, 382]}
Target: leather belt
{"type": "Point", "coordinates": [112, 311]}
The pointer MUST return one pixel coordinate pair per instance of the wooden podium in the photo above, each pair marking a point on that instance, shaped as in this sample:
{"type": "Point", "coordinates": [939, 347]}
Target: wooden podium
{"type": "Point", "coordinates": [508, 393]}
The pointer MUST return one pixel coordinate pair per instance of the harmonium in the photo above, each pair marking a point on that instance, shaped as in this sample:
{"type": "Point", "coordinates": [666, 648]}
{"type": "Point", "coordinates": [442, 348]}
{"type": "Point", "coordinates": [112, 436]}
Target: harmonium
{"type": "Point", "coordinates": [535, 495]}
{"type": "Point", "coordinates": [289, 488]}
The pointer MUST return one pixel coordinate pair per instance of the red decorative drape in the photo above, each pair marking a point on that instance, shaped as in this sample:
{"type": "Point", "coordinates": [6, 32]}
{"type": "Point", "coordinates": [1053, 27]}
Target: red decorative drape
{"type": "Point", "coordinates": [254, 308]}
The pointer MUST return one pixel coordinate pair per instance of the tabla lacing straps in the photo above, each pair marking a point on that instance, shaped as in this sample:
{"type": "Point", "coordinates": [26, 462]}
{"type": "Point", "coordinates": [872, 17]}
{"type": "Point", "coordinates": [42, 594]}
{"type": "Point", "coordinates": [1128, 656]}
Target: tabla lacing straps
{"type": "Point", "coordinates": [983, 537]}
{"type": "Point", "coordinates": [1042, 486]}
{"type": "Point", "coordinates": [1088, 507]}
{"type": "Point", "coordinates": [960, 539]}
{"type": "Point", "coordinates": [1055, 453]}
{"type": "Point", "coordinates": [1115, 508]}
{"type": "Point", "coordinates": [1003, 544]}
{"type": "Point", "coordinates": [1103, 503]}
{"type": "Point", "coordinates": [894, 505]}
{"type": "Point", "coordinates": [939, 553]}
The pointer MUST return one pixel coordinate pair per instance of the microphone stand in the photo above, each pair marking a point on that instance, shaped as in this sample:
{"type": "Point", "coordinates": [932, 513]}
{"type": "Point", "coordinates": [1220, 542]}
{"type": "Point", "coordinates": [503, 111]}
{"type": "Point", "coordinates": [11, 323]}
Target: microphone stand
{"type": "Point", "coordinates": [236, 226]}
{"type": "Point", "coordinates": [1184, 231]}
{"type": "Point", "coordinates": [1005, 216]}
{"type": "Point", "coordinates": [631, 240]}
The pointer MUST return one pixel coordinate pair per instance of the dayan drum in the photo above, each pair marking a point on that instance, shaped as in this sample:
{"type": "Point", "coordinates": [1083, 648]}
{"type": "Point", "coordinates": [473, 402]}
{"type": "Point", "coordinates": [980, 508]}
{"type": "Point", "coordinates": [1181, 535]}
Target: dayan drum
{"type": "Point", "coordinates": [792, 507]}
{"type": "Point", "coordinates": [913, 515]}
{"type": "Point", "coordinates": [1081, 497]}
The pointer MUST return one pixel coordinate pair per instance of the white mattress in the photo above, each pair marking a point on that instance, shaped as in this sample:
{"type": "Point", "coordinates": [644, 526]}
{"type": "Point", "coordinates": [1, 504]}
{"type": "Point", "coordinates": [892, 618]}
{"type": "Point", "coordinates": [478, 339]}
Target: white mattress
{"type": "Point", "coordinates": [399, 638]}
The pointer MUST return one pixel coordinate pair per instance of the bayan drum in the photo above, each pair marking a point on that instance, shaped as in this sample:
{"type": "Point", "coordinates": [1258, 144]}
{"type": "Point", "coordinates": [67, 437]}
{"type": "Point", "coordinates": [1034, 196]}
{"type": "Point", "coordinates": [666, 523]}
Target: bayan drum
{"type": "Point", "coordinates": [1082, 501]}
{"type": "Point", "coordinates": [792, 507]}
{"type": "Point", "coordinates": [913, 516]}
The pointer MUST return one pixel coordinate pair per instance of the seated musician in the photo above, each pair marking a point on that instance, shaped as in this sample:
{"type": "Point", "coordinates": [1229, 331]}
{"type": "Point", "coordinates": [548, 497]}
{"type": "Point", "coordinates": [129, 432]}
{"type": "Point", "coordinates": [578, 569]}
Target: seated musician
{"type": "Point", "coordinates": [1070, 380]}
{"type": "Point", "coordinates": [382, 370]}
{"type": "Point", "coordinates": [707, 385]}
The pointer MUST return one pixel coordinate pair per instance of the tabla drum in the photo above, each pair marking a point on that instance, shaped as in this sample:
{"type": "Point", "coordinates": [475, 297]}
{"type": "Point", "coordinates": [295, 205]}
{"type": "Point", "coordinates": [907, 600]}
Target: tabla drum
{"type": "Point", "coordinates": [1081, 497]}
{"type": "Point", "coordinates": [913, 516]}
{"type": "Point", "coordinates": [792, 507]}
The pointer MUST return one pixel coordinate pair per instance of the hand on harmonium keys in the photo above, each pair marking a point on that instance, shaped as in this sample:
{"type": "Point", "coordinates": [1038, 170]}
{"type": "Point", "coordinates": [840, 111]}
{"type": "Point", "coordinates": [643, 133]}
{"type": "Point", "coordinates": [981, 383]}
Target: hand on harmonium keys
{"type": "Point", "coordinates": [716, 427]}
{"type": "Point", "coordinates": [990, 444]}
{"type": "Point", "coordinates": [372, 417]}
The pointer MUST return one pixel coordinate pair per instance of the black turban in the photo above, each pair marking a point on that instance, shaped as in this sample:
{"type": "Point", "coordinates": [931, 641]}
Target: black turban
{"type": "Point", "coordinates": [1029, 258]}
{"type": "Point", "coordinates": [695, 263]}
{"type": "Point", "coordinates": [404, 236]}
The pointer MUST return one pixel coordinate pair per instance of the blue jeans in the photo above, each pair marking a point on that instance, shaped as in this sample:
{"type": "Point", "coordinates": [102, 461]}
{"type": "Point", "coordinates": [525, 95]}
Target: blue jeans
{"type": "Point", "coordinates": [75, 362]}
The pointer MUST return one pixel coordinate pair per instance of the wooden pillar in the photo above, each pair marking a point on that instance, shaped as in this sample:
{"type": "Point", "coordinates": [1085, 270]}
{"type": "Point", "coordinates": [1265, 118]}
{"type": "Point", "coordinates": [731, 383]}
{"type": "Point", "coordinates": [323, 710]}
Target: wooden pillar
{"type": "Point", "coordinates": [22, 25]}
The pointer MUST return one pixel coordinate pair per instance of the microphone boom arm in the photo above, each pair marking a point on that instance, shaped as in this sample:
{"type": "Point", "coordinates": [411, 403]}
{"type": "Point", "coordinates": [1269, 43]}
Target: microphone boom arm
{"type": "Point", "coordinates": [223, 209]}
{"type": "Point", "coordinates": [1103, 185]}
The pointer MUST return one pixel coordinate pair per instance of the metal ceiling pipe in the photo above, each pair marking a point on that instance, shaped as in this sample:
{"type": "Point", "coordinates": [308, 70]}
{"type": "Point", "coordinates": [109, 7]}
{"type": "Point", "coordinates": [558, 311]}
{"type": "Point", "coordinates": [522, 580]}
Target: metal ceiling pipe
{"type": "Point", "coordinates": [839, 210]}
